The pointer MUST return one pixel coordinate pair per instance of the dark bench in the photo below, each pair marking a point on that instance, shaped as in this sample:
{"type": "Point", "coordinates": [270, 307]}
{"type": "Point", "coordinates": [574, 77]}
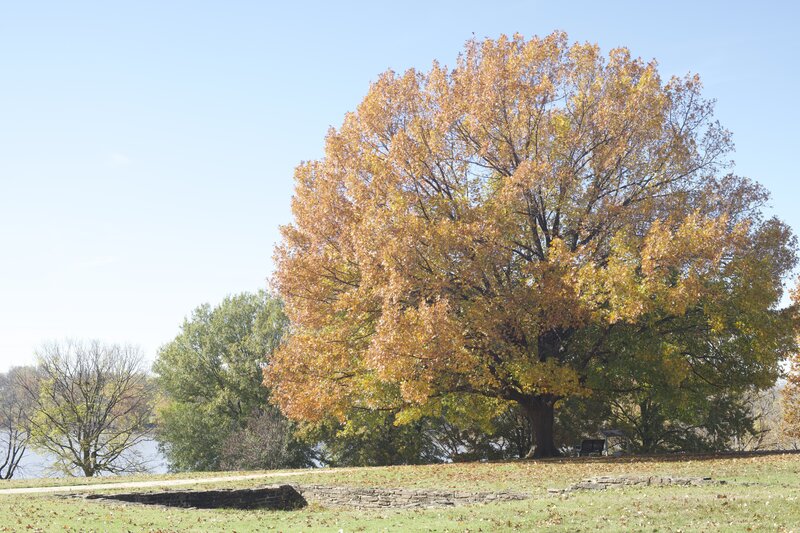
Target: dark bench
{"type": "Point", "coordinates": [592, 447]}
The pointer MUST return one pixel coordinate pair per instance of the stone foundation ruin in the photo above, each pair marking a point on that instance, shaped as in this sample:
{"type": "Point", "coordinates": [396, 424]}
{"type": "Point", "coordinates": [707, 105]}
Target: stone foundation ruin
{"type": "Point", "coordinates": [608, 482]}
{"type": "Point", "coordinates": [287, 497]}
{"type": "Point", "coordinates": [378, 498]}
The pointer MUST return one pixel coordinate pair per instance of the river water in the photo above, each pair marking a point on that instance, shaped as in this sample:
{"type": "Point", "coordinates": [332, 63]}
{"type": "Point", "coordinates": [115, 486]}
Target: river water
{"type": "Point", "coordinates": [35, 465]}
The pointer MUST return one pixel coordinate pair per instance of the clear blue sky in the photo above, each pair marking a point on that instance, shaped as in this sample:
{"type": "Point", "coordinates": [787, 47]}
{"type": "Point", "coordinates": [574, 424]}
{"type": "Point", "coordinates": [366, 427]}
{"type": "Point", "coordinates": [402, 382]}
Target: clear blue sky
{"type": "Point", "coordinates": [147, 148]}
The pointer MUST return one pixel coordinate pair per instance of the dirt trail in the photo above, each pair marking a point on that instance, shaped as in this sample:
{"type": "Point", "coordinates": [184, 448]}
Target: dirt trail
{"type": "Point", "coordinates": [165, 482]}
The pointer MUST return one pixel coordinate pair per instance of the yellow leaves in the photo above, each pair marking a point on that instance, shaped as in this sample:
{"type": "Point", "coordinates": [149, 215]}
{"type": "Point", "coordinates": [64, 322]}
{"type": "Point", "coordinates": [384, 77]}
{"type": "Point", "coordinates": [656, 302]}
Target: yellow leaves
{"type": "Point", "coordinates": [613, 293]}
{"type": "Point", "coordinates": [667, 270]}
{"type": "Point", "coordinates": [561, 125]}
{"type": "Point", "coordinates": [676, 368]}
{"type": "Point", "coordinates": [677, 257]}
{"type": "Point", "coordinates": [717, 323]}
{"type": "Point", "coordinates": [670, 244]}
{"type": "Point", "coordinates": [410, 414]}
{"type": "Point", "coordinates": [548, 377]}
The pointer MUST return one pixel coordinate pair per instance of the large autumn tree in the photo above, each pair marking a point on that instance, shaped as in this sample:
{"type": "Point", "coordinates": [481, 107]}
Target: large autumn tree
{"type": "Point", "coordinates": [536, 222]}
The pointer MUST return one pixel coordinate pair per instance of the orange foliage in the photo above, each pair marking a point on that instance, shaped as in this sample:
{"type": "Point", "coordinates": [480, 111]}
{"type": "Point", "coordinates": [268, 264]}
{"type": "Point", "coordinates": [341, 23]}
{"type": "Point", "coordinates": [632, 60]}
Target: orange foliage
{"type": "Point", "coordinates": [480, 229]}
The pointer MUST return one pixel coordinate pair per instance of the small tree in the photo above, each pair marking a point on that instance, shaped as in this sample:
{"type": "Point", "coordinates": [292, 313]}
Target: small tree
{"type": "Point", "coordinates": [265, 442]}
{"type": "Point", "coordinates": [93, 403]}
{"type": "Point", "coordinates": [15, 413]}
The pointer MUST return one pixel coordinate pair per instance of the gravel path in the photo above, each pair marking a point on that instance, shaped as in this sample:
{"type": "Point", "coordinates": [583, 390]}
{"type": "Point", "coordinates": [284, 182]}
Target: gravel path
{"type": "Point", "coordinates": [164, 482]}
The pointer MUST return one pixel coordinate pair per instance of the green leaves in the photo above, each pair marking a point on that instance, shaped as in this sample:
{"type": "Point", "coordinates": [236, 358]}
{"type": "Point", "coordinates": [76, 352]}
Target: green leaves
{"type": "Point", "coordinates": [211, 378]}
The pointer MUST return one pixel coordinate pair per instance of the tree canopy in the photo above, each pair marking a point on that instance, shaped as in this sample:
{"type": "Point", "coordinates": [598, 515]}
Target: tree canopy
{"type": "Point", "coordinates": [91, 405]}
{"type": "Point", "coordinates": [540, 222]}
{"type": "Point", "coordinates": [213, 401]}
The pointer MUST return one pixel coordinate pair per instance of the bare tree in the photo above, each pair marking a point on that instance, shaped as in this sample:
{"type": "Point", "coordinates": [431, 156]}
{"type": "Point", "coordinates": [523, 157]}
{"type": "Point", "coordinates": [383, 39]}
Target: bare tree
{"type": "Point", "coordinates": [93, 403]}
{"type": "Point", "coordinates": [266, 442]}
{"type": "Point", "coordinates": [15, 414]}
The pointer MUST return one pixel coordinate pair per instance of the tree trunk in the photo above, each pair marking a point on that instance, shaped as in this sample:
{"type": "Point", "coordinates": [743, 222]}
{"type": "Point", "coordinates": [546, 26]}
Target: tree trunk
{"type": "Point", "coordinates": [541, 411]}
{"type": "Point", "coordinates": [88, 467]}
{"type": "Point", "coordinates": [650, 427]}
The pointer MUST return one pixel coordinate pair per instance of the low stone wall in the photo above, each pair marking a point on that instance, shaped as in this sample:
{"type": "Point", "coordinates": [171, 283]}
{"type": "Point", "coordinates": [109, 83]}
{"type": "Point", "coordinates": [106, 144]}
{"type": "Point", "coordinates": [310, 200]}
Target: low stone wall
{"type": "Point", "coordinates": [286, 497]}
{"type": "Point", "coordinates": [607, 482]}
{"type": "Point", "coordinates": [381, 498]}
{"type": "Point", "coordinates": [283, 497]}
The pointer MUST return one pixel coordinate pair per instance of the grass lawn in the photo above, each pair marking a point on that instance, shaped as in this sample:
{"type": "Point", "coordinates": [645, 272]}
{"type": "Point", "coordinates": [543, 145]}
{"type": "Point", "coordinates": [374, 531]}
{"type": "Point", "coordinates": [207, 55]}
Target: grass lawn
{"type": "Point", "coordinates": [762, 493]}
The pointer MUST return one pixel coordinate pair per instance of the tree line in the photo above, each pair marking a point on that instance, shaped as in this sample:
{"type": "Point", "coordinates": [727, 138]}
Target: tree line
{"type": "Point", "coordinates": [88, 405]}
